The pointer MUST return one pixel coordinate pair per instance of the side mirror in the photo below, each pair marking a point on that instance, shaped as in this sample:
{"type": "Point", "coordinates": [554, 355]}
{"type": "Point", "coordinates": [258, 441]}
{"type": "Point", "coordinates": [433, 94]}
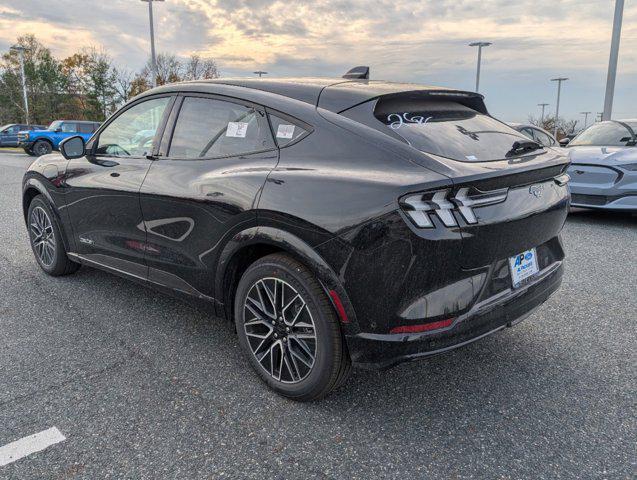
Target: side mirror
{"type": "Point", "coordinates": [565, 141]}
{"type": "Point", "coordinates": [72, 147]}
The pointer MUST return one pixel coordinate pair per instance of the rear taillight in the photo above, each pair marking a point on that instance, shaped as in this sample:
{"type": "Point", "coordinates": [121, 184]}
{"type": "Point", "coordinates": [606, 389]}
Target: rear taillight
{"type": "Point", "coordinates": [419, 207]}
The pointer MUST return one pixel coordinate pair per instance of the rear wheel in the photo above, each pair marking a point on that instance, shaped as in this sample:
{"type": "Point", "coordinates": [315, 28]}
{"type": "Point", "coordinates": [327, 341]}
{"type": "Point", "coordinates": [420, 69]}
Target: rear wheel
{"type": "Point", "coordinates": [288, 329]}
{"type": "Point", "coordinates": [46, 240]}
{"type": "Point", "coordinates": [42, 147]}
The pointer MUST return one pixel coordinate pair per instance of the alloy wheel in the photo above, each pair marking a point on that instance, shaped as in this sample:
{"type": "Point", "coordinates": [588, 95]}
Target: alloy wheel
{"type": "Point", "coordinates": [280, 330]}
{"type": "Point", "coordinates": [42, 236]}
{"type": "Point", "coordinates": [41, 148]}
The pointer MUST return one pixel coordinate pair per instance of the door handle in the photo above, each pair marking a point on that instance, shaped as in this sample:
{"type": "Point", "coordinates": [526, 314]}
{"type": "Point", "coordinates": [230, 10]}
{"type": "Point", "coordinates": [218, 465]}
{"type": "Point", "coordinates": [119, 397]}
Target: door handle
{"type": "Point", "coordinates": [114, 174]}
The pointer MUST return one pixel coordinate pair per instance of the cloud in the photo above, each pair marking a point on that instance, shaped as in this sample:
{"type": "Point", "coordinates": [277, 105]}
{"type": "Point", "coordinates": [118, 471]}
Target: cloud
{"type": "Point", "coordinates": [403, 40]}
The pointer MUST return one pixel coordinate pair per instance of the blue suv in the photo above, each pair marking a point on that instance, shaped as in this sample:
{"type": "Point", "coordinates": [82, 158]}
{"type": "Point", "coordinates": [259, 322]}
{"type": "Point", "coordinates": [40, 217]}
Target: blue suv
{"type": "Point", "coordinates": [42, 142]}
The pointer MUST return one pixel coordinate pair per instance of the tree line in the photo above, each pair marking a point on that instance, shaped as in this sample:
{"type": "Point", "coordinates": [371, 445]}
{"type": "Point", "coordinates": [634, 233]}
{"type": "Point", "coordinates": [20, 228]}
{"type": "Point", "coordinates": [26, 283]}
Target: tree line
{"type": "Point", "coordinates": [84, 86]}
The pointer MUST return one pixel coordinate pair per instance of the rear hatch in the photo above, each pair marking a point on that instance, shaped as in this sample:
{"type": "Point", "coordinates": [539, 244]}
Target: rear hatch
{"type": "Point", "coordinates": [509, 194]}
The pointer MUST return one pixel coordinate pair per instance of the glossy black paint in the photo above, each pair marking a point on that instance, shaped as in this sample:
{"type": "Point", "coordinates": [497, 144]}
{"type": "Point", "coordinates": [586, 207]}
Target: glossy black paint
{"type": "Point", "coordinates": [190, 227]}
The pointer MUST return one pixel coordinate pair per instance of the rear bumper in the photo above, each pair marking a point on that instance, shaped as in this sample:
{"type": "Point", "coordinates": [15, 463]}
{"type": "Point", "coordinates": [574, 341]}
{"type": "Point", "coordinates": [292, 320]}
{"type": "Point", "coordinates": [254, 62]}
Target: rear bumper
{"type": "Point", "coordinates": [379, 351]}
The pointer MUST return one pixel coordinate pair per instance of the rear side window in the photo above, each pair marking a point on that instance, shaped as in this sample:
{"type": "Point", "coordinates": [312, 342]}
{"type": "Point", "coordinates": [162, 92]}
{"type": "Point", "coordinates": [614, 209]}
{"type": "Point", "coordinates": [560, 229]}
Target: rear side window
{"type": "Point", "coordinates": [208, 128]}
{"type": "Point", "coordinates": [285, 131]}
{"type": "Point", "coordinates": [85, 128]}
{"type": "Point", "coordinates": [448, 129]}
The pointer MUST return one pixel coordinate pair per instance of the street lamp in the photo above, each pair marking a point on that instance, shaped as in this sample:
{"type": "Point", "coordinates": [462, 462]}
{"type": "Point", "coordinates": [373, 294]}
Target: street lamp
{"type": "Point", "coordinates": [586, 114]}
{"type": "Point", "coordinates": [152, 39]}
{"type": "Point", "coordinates": [260, 73]}
{"type": "Point", "coordinates": [20, 50]}
{"type": "Point", "coordinates": [559, 81]}
{"type": "Point", "coordinates": [479, 45]}
{"type": "Point", "coordinates": [543, 105]}
{"type": "Point", "coordinates": [612, 62]}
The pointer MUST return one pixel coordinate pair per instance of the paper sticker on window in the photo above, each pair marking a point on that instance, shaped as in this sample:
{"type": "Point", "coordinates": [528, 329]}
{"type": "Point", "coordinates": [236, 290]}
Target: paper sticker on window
{"type": "Point", "coordinates": [237, 129]}
{"type": "Point", "coordinates": [471, 158]}
{"type": "Point", "coordinates": [285, 131]}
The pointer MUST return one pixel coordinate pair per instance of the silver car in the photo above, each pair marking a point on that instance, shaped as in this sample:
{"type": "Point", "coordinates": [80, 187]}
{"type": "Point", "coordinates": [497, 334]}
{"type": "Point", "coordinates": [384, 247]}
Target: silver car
{"type": "Point", "coordinates": [536, 133]}
{"type": "Point", "coordinates": [603, 166]}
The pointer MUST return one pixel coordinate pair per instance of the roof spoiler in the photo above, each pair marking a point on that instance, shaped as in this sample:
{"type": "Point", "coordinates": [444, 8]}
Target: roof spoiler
{"type": "Point", "coordinates": [359, 73]}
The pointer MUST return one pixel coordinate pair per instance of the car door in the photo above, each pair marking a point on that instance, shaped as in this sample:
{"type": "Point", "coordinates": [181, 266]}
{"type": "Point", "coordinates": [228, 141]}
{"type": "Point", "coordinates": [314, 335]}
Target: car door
{"type": "Point", "coordinates": [103, 187]}
{"type": "Point", "coordinates": [10, 136]}
{"type": "Point", "coordinates": [214, 159]}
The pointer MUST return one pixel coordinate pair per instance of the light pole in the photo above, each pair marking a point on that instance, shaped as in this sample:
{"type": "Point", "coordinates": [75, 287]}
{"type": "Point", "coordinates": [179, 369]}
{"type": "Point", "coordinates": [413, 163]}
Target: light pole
{"type": "Point", "coordinates": [479, 45]}
{"type": "Point", "coordinates": [586, 114]}
{"type": "Point", "coordinates": [559, 81]}
{"type": "Point", "coordinates": [612, 62]}
{"type": "Point", "coordinates": [260, 73]}
{"type": "Point", "coordinates": [543, 105]}
{"type": "Point", "coordinates": [153, 59]}
{"type": "Point", "coordinates": [20, 49]}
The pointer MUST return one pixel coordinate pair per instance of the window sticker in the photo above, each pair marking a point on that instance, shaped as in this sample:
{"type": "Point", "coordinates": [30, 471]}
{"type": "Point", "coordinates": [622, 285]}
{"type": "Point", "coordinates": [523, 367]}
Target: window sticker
{"type": "Point", "coordinates": [396, 120]}
{"type": "Point", "coordinates": [237, 129]}
{"type": "Point", "coordinates": [285, 131]}
{"type": "Point", "coordinates": [471, 158]}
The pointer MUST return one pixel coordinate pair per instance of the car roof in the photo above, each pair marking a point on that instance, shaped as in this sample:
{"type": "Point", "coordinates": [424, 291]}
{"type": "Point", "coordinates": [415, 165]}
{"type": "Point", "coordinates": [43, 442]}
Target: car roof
{"type": "Point", "coordinates": [335, 94]}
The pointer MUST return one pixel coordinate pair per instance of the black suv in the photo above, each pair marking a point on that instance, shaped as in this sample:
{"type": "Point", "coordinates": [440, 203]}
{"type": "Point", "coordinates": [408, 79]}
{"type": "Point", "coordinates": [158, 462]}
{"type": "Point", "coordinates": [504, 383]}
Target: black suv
{"type": "Point", "coordinates": [335, 221]}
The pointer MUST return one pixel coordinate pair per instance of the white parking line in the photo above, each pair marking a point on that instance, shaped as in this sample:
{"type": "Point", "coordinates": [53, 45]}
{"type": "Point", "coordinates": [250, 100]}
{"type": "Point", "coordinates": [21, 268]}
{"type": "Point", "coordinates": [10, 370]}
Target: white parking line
{"type": "Point", "coordinates": [26, 446]}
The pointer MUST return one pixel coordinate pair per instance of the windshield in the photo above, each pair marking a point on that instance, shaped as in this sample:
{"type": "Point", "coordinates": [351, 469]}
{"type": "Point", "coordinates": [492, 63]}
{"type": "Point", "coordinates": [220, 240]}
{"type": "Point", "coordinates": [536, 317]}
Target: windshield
{"type": "Point", "coordinates": [605, 134]}
{"type": "Point", "coordinates": [55, 125]}
{"type": "Point", "coordinates": [452, 130]}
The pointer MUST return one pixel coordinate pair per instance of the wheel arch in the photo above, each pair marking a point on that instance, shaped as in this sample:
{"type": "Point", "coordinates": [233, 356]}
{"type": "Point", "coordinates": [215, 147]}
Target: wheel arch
{"type": "Point", "coordinates": [32, 188]}
{"type": "Point", "coordinates": [248, 246]}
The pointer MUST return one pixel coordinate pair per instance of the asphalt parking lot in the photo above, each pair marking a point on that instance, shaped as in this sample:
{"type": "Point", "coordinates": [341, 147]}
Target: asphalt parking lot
{"type": "Point", "coordinates": [142, 386]}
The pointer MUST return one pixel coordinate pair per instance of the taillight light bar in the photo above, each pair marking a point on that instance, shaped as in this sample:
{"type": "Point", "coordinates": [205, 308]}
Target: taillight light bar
{"type": "Point", "coordinates": [420, 206]}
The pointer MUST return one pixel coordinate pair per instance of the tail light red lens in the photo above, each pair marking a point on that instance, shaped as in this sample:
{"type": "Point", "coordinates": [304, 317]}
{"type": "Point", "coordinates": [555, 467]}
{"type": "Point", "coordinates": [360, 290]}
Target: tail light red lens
{"type": "Point", "coordinates": [425, 327]}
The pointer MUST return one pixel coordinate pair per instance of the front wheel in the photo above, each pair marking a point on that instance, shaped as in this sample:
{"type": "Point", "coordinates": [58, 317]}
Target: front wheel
{"type": "Point", "coordinates": [288, 329]}
{"type": "Point", "coordinates": [28, 151]}
{"type": "Point", "coordinates": [46, 240]}
{"type": "Point", "coordinates": [42, 147]}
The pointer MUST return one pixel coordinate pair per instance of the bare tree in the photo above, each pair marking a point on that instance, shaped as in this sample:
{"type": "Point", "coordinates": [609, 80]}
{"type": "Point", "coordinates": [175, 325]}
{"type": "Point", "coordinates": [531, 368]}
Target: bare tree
{"type": "Point", "coordinates": [198, 68]}
{"type": "Point", "coordinates": [123, 84]}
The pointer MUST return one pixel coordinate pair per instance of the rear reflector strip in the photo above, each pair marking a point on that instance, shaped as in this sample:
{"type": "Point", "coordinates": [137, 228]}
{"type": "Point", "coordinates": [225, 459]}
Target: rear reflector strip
{"type": "Point", "coordinates": [339, 306]}
{"type": "Point", "coordinates": [425, 327]}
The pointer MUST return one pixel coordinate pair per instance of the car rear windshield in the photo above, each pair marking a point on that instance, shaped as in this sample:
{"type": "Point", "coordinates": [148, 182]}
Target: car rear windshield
{"type": "Point", "coordinates": [606, 134]}
{"type": "Point", "coordinates": [449, 129]}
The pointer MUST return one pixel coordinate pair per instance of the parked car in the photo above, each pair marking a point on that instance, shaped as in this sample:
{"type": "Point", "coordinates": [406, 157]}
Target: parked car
{"type": "Point", "coordinates": [604, 166]}
{"type": "Point", "coordinates": [9, 133]}
{"type": "Point", "coordinates": [336, 222]}
{"type": "Point", "coordinates": [536, 133]}
{"type": "Point", "coordinates": [42, 142]}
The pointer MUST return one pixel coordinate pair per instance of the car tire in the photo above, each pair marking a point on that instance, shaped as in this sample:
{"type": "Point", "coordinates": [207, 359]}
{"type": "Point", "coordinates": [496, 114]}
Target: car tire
{"type": "Point", "coordinates": [298, 351]}
{"type": "Point", "coordinates": [46, 240]}
{"type": "Point", "coordinates": [28, 151]}
{"type": "Point", "coordinates": [42, 147]}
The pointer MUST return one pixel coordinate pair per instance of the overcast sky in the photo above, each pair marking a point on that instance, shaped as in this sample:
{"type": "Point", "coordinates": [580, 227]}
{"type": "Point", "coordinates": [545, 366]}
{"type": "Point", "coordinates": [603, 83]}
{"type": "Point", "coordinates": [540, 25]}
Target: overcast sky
{"type": "Point", "coordinates": [422, 41]}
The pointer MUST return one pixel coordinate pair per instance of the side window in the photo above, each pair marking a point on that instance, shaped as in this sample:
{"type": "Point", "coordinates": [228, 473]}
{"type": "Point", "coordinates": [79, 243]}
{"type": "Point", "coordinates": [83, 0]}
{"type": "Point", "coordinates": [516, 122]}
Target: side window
{"type": "Point", "coordinates": [14, 129]}
{"type": "Point", "coordinates": [528, 132]}
{"type": "Point", "coordinates": [542, 137]}
{"type": "Point", "coordinates": [132, 132]}
{"type": "Point", "coordinates": [69, 127]}
{"type": "Point", "coordinates": [285, 131]}
{"type": "Point", "coordinates": [209, 128]}
{"type": "Point", "coordinates": [85, 128]}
